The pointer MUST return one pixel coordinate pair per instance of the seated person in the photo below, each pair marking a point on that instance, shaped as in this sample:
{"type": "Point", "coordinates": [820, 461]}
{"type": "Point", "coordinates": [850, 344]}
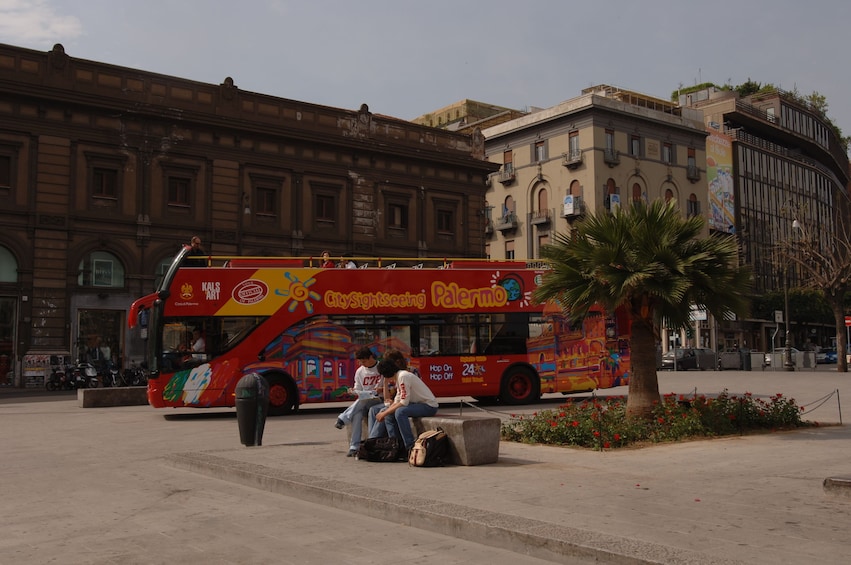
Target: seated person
{"type": "Point", "coordinates": [413, 400]}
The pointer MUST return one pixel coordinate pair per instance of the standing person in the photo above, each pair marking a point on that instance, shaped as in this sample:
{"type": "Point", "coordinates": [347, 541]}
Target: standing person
{"type": "Point", "coordinates": [326, 262]}
{"type": "Point", "coordinates": [195, 250]}
{"type": "Point", "coordinates": [366, 384]}
{"type": "Point", "coordinates": [413, 400]}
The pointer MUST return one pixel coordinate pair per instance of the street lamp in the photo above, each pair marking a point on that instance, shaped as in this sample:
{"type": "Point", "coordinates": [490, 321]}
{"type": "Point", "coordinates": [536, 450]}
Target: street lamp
{"type": "Point", "coordinates": [788, 364]}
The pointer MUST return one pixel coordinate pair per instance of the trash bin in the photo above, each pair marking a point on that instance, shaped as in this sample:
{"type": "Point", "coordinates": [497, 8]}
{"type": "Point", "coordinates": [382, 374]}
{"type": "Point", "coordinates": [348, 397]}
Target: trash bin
{"type": "Point", "coordinates": [746, 359]}
{"type": "Point", "coordinates": [252, 404]}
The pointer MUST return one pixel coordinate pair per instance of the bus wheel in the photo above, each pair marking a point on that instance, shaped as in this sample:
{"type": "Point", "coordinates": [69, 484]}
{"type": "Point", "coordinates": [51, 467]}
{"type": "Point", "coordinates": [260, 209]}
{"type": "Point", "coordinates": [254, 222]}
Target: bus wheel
{"type": "Point", "coordinates": [283, 398]}
{"type": "Point", "coordinates": [519, 386]}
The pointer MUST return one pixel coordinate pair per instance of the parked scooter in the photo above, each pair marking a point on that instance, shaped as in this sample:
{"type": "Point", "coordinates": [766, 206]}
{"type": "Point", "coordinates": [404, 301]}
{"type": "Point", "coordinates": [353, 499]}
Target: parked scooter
{"type": "Point", "coordinates": [59, 379]}
{"type": "Point", "coordinates": [111, 376]}
{"type": "Point", "coordinates": [135, 376]}
{"type": "Point", "coordinates": [85, 376]}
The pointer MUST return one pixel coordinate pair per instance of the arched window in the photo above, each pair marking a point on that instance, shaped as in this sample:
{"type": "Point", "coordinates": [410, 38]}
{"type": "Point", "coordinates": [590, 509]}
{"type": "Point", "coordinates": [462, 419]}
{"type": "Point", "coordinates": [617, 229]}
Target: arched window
{"type": "Point", "coordinates": [101, 269]}
{"type": "Point", "coordinates": [612, 200]}
{"type": "Point", "coordinates": [8, 266]}
{"type": "Point", "coordinates": [575, 188]}
{"type": "Point", "coordinates": [542, 199]}
{"type": "Point", "coordinates": [636, 193]}
{"type": "Point", "coordinates": [508, 206]}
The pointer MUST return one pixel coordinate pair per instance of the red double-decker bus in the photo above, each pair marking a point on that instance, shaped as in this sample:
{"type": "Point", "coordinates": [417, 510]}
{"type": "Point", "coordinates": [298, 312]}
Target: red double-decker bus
{"type": "Point", "coordinates": [469, 328]}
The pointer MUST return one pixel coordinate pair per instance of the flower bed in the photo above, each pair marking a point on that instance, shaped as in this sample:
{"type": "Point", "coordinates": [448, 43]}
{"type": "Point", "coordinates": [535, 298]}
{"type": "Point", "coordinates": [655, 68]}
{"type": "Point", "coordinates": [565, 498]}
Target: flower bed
{"type": "Point", "coordinates": [601, 422]}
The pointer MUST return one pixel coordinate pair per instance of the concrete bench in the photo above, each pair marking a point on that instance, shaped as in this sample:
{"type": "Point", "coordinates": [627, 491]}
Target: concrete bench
{"type": "Point", "coordinates": [114, 396]}
{"type": "Point", "coordinates": [838, 486]}
{"type": "Point", "coordinates": [472, 440]}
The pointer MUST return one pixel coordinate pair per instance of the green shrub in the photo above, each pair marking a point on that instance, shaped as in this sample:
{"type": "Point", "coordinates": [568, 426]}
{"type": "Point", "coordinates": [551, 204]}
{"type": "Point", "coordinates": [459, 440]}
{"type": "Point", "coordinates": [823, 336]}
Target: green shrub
{"type": "Point", "coordinates": [601, 422]}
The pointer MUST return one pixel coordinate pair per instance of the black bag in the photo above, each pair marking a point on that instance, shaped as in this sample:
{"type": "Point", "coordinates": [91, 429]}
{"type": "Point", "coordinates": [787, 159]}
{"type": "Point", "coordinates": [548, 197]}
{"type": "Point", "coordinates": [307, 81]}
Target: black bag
{"type": "Point", "coordinates": [430, 450]}
{"type": "Point", "coordinates": [381, 449]}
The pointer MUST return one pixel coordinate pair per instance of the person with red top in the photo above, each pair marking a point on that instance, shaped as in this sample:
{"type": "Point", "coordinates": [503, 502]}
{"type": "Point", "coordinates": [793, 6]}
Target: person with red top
{"type": "Point", "coordinates": [326, 261]}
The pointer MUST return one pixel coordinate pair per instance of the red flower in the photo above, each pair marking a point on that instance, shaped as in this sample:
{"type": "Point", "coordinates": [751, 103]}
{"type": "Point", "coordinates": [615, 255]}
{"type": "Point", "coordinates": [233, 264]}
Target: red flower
{"type": "Point", "coordinates": [575, 424]}
{"type": "Point", "coordinates": [617, 437]}
{"type": "Point", "coordinates": [596, 433]}
{"type": "Point", "coordinates": [606, 445]}
{"type": "Point", "coordinates": [661, 420]}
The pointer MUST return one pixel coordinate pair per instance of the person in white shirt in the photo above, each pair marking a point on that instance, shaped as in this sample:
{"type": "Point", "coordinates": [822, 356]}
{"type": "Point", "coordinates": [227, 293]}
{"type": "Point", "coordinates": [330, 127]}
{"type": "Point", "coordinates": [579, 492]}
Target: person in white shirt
{"type": "Point", "coordinates": [367, 381]}
{"type": "Point", "coordinates": [413, 400]}
{"type": "Point", "coordinates": [198, 344]}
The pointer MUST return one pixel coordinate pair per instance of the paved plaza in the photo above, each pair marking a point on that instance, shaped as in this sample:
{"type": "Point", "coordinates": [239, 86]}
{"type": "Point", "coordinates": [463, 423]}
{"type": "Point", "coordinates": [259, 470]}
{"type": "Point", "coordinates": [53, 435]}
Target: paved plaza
{"type": "Point", "coordinates": [138, 485]}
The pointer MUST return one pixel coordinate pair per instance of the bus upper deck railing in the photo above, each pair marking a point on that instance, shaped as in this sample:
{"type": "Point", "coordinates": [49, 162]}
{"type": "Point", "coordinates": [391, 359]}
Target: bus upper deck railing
{"type": "Point", "coordinates": [229, 261]}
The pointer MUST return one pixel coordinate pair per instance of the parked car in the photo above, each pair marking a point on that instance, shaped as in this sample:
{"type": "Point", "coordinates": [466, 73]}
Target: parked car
{"type": "Point", "coordinates": [826, 356]}
{"type": "Point", "coordinates": [778, 353]}
{"type": "Point", "coordinates": [689, 358]}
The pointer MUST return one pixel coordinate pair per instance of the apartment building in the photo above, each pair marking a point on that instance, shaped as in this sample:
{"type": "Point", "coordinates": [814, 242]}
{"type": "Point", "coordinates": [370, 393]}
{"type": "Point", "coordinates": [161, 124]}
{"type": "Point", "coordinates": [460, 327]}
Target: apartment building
{"type": "Point", "coordinates": [603, 149]}
{"type": "Point", "coordinates": [105, 171]}
{"type": "Point", "coordinates": [772, 160]}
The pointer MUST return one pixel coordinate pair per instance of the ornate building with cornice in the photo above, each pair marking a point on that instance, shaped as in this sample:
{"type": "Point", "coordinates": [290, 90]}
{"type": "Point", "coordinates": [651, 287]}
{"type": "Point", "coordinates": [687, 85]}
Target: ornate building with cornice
{"type": "Point", "coordinates": [106, 170]}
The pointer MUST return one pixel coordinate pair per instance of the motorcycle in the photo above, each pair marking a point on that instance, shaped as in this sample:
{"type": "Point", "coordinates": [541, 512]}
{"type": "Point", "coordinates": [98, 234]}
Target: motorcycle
{"type": "Point", "coordinates": [59, 379]}
{"type": "Point", "coordinates": [111, 377]}
{"type": "Point", "coordinates": [135, 376]}
{"type": "Point", "coordinates": [85, 376]}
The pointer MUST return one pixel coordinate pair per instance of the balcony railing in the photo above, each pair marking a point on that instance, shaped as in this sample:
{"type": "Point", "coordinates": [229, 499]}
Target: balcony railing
{"type": "Point", "coordinates": [573, 207]}
{"type": "Point", "coordinates": [507, 222]}
{"type": "Point", "coordinates": [692, 173]}
{"type": "Point", "coordinates": [540, 217]}
{"type": "Point", "coordinates": [611, 157]}
{"type": "Point", "coordinates": [506, 176]}
{"type": "Point", "coordinates": [572, 158]}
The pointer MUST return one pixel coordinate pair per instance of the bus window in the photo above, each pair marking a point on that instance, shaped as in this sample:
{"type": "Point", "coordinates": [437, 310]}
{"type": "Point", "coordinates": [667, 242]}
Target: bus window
{"type": "Point", "coordinates": [217, 335]}
{"type": "Point", "coordinates": [508, 334]}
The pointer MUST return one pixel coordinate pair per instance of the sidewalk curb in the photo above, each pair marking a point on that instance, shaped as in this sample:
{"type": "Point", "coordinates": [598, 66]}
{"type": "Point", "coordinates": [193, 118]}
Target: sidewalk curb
{"type": "Point", "coordinates": [528, 537]}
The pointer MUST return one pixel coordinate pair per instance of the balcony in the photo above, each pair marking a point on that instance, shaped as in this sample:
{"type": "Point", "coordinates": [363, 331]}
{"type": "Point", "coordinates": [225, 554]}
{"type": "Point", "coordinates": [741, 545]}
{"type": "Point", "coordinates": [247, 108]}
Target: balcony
{"type": "Point", "coordinates": [507, 223]}
{"type": "Point", "coordinates": [572, 159]}
{"type": "Point", "coordinates": [506, 176]}
{"type": "Point", "coordinates": [573, 207]}
{"type": "Point", "coordinates": [488, 226]}
{"type": "Point", "coordinates": [540, 218]}
{"type": "Point", "coordinates": [693, 173]}
{"type": "Point", "coordinates": [611, 157]}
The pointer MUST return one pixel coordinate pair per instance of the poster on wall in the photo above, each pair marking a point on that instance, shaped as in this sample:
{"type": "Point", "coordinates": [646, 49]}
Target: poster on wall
{"type": "Point", "coordinates": [102, 272]}
{"type": "Point", "coordinates": [719, 175]}
{"type": "Point", "coordinates": [35, 370]}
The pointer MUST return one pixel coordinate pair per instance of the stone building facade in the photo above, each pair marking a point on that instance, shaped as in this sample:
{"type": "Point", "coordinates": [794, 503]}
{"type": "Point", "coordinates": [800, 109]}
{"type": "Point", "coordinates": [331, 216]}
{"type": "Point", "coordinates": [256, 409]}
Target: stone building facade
{"type": "Point", "coordinates": [105, 171]}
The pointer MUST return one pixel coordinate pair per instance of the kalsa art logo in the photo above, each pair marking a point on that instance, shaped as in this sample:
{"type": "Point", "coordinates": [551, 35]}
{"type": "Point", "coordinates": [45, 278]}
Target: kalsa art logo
{"type": "Point", "coordinates": [251, 291]}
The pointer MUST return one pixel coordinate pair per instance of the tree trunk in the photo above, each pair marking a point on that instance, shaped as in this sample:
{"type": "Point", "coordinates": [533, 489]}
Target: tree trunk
{"type": "Point", "coordinates": [839, 320]}
{"type": "Point", "coordinates": [643, 380]}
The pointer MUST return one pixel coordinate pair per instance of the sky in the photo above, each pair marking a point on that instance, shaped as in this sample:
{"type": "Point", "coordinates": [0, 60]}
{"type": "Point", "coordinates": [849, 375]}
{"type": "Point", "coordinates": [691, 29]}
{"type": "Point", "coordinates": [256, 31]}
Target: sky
{"type": "Point", "coordinates": [406, 58]}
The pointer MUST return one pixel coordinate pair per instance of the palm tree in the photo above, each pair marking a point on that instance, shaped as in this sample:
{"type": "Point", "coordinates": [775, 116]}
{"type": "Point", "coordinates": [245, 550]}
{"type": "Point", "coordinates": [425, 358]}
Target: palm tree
{"type": "Point", "coordinates": [650, 260]}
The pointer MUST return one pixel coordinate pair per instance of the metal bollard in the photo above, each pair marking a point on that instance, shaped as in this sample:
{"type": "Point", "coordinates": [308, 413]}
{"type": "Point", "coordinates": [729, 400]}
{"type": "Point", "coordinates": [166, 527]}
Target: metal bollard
{"type": "Point", "coordinates": [252, 404]}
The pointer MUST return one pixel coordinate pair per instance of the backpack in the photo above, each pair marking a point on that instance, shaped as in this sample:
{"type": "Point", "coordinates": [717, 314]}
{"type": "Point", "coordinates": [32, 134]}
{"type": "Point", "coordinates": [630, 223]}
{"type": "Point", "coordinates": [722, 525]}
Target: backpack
{"type": "Point", "coordinates": [430, 450]}
{"type": "Point", "coordinates": [381, 449]}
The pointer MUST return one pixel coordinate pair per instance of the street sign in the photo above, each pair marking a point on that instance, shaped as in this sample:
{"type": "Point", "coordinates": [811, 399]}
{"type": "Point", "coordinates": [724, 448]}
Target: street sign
{"type": "Point", "coordinates": [778, 316]}
{"type": "Point", "coordinates": [848, 320]}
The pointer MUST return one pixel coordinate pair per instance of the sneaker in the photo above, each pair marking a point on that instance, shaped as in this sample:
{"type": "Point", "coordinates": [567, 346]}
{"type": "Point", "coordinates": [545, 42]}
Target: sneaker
{"type": "Point", "coordinates": [339, 424]}
{"type": "Point", "coordinates": [352, 453]}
